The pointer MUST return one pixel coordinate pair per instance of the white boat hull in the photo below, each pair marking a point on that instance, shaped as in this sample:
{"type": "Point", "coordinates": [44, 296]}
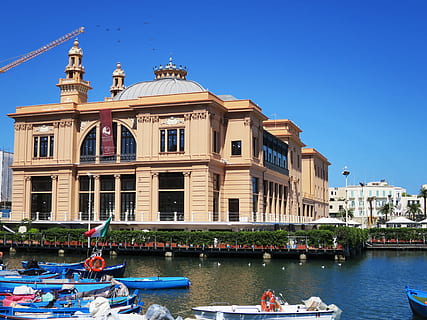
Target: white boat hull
{"type": "Point", "coordinates": [234, 312]}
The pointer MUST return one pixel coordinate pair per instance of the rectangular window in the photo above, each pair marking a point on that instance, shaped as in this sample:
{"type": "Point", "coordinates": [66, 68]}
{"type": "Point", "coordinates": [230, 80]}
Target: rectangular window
{"type": "Point", "coordinates": [233, 209]}
{"type": "Point", "coordinates": [51, 143]}
{"type": "Point", "coordinates": [41, 198]}
{"type": "Point", "coordinates": [172, 140]}
{"type": "Point", "coordinates": [107, 183]}
{"type": "Point", "coordinates": [162, 140]}
{"type": "Point", "coordinates": [171, 180]}
{"type": "Point", "coordinates": [128, 182]}
{"type": "Point", "coordinates": [236, 148]}
{"type": "Point", "coordinates": [181, 139]}
{"type": "Point", "coordinates": [171, 196]}
{"type": "Point", "coordinates": [127, 197]}
{"type": "Point", "coordinates": [36, 147]}
{"type": "Point", "coordinates": [43, 146]}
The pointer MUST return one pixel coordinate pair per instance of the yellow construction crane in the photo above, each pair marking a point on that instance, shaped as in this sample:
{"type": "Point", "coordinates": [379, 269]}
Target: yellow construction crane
{"type": "Point", "coordinates": [45, 48]}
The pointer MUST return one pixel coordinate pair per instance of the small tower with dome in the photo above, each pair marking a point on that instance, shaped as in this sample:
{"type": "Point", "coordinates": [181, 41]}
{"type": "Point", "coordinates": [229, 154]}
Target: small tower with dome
{"type": "Point", "coordinates": [73, 87]}
{"type": "Point", "coordinates": [118, 81]}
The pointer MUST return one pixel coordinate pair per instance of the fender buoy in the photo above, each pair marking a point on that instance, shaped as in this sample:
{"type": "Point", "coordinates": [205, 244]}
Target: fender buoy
{"type": "Point", "coordinates": [86, 264]}
{"type": "Point", "coordinates": [268, 301]}
{"type": "Point", "coordinates": [97, 264]}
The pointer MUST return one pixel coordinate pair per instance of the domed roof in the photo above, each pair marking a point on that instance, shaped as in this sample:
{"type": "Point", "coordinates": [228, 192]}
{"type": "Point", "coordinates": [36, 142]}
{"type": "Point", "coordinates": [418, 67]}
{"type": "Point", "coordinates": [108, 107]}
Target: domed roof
{"type": "Point", "coordinates": [170, 79]}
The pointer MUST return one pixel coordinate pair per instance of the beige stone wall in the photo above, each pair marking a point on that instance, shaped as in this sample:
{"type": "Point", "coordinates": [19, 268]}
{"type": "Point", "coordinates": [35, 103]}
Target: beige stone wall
{"type": "Point", "coordinates": [315, 182]}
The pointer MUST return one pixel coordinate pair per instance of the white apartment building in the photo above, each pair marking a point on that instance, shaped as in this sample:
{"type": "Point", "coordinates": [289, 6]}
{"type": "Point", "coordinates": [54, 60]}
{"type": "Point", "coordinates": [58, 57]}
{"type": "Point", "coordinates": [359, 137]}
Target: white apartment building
{"type": "Point", "coordinates": [358, 199]}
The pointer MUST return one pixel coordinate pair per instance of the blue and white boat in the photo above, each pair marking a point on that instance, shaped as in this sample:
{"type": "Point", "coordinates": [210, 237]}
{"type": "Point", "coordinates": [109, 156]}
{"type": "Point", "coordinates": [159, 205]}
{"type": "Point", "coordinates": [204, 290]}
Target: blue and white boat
{"type": "Point", "coordinates": [417, 301]}
{"type": "Point", "coordinates": [151, 283]}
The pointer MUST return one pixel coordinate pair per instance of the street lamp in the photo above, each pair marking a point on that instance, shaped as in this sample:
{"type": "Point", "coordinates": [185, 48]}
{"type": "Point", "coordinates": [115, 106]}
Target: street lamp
{"type": "Point", "coordinates": [89, 206]}
{"type": "Point", "coordinates": [345, 173]}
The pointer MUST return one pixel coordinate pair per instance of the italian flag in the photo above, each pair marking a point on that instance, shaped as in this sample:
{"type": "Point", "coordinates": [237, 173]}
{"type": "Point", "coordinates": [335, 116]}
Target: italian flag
{"type": "Point", "coordinates": [99, 231]}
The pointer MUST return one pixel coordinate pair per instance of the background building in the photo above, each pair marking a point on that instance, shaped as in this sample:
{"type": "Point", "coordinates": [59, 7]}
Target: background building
{"type": "Point", "coordinates": [160, 154]}
{"type": "Point", "coordinates": [6, 160]}
{"type": "Point", "coordinates": [364, 200]}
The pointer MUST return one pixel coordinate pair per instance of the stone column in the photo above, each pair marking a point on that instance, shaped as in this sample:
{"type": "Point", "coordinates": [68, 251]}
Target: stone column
{"type": "Point", "coordinates": [96, 197]}
{"type": "Point", "coordinates": [117, 199]}
{"type": "Point", "coordinates": [27, 198]}
{"type": "Point", "coordinates": [187, 195]}
{"type": "Point", "coordinates": [54, 201]}
{"type": "Point", "coordinates": [154, 207]}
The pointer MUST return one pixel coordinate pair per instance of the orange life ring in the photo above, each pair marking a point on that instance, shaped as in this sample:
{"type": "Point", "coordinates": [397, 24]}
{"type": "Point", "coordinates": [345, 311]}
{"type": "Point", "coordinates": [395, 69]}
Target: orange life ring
{"type": "Point", "coordinates": [86, 264]}
{"type": "Point", "coordinates": [97, 264]}
{"type": "Point", "coordinates": [268, 301]}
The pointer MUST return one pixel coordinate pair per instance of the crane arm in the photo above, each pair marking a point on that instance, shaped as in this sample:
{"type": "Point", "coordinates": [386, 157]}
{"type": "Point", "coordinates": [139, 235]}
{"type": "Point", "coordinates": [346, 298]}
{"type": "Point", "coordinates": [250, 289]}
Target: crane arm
{"type": "Point", "coordinates": [45, 48]}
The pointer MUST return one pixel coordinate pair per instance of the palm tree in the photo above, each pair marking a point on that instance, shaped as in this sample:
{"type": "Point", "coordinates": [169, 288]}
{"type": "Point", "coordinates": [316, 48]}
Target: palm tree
{"type": "Point", "coordinates": [423, 194]}
{"type": "Point", "coordinates": [370, 200]}
{"type": "Point", "coordinates": [413, 209]}
{"type": "Point", "coordinates": [386, 209]}
{"type": "Point", "coordinates": [343, 214]}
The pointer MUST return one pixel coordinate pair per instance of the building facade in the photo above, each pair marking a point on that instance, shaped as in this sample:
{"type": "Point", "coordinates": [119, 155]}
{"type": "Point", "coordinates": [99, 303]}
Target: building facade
{"type": "Point", "coordinates": [365, 200]}
{"type": "Point", "coordinates": [160, 154]}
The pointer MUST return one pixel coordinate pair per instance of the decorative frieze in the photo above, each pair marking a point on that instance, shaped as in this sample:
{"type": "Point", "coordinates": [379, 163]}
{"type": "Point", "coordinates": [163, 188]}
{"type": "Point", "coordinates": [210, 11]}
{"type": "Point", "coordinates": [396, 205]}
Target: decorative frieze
{"type": "Point", "coordinates": [147, 118]}
{"type": "Point", "coordinates": [172, 121]}
{"type": "Point", "coordinates": [20, 126]}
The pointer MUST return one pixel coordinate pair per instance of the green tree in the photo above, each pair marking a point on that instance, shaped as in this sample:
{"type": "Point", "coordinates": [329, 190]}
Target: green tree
{"type": "Point", "coordinates": [413, 209]}
{"type": "Point", "coordinates": [386, 209]}
{"type": "Point", "coordinates": [423, 194]}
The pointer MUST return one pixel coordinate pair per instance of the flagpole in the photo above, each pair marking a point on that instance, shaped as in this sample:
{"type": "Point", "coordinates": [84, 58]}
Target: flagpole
{"type": "Point", "coordinates": [89, 209]}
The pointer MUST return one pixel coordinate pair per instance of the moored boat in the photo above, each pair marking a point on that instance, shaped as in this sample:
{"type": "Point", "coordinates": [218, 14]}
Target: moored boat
{"type": "Point", "coordinates": [116, 270]}
{"type": "Point", "coordinates": [149, 283]}
{"type": "Point", "coordinates": [54, 267]}
{"type": "Point", "coordinates": [271, 307]}
{"type": "Point", "coordinates": [9, 284]}
{"type": "Point", "coordinates": [98, 309]}
{"type": "Point", "coordinates": [417, 301]}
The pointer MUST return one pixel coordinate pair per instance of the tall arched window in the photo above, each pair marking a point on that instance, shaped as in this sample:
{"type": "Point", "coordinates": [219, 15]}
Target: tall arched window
{"type": "Point", "coordinates": [88, 148]}
{"type": "Point", "coordinates": [128, 145]}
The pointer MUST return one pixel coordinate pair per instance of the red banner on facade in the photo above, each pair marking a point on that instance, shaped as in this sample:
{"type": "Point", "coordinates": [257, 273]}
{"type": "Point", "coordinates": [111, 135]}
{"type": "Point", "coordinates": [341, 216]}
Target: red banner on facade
{"type": "Point", "coordinates": [107, 142]}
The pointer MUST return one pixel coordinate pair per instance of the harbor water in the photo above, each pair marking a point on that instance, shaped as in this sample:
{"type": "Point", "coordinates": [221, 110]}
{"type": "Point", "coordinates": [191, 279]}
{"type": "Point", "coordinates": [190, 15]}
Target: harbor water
{"type": "Point", "coordinates": [371, 286]}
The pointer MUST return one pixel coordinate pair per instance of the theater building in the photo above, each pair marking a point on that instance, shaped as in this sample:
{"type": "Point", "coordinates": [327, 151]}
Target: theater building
{"type": "Point", "coordinates": [159, 154]}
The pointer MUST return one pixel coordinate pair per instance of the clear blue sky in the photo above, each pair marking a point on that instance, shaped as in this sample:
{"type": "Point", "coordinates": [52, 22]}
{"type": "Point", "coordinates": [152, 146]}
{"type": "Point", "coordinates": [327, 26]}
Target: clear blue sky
{"type": "Point", "coordinates": [350, 74]}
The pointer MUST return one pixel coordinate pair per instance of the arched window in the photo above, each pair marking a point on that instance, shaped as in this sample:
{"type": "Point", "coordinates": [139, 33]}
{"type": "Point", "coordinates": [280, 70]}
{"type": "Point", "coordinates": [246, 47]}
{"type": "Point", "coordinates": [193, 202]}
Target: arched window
{"type": "Point", "coordinates": [88, 148]}
{"type": "Point", "coordinates": [128, 145]}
